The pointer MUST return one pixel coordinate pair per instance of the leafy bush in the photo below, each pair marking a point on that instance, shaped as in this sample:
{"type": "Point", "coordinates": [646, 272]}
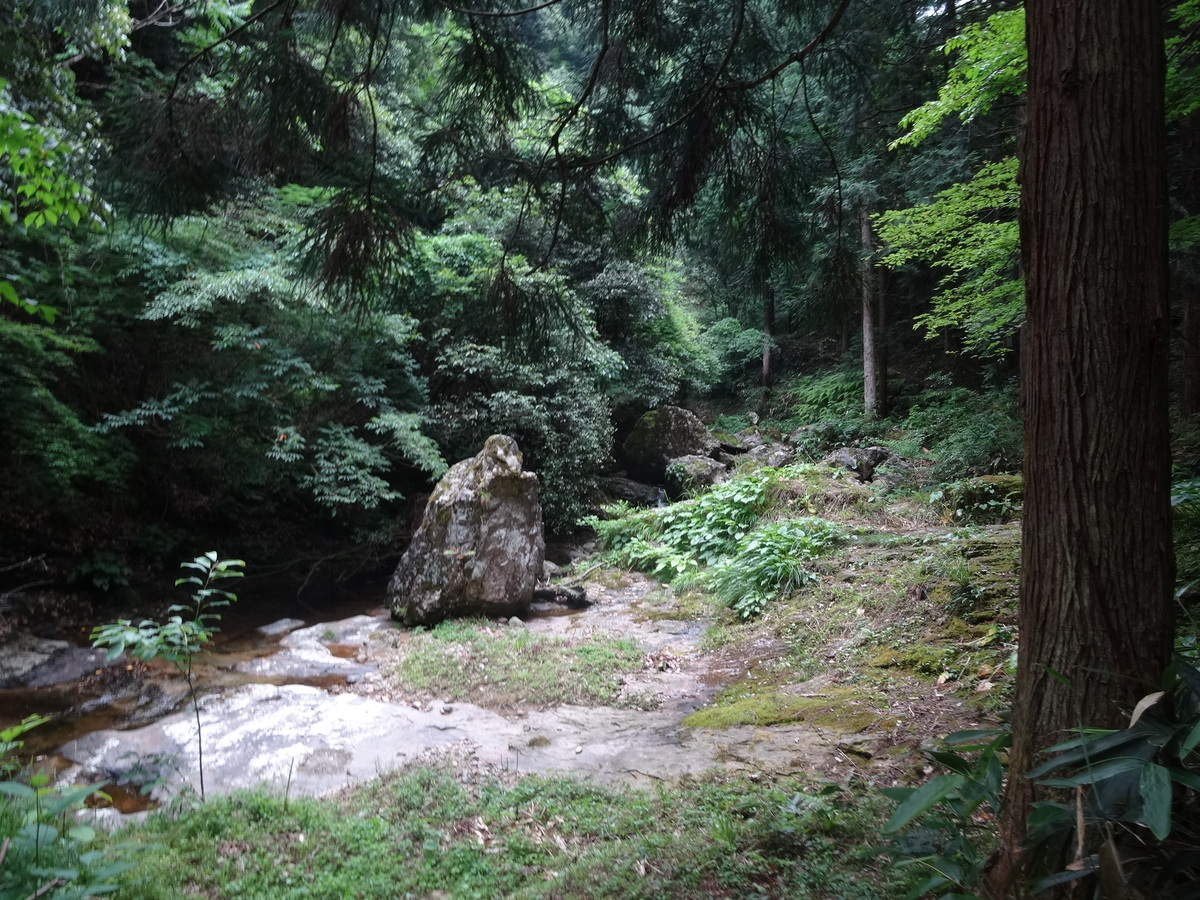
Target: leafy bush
{"type": "Point", "coordinates": [968, 432]}
{"type": "Point", "coordinates": [675, 541]}
{"type": "Point", "coordinates": [43, 855]}
{"type": "Point", "coordinates": [773, 560]}
{"type": "Point", "coordinates": [557, 417]}
{"type": "Point", "coordinates": [835, 394]}
{"type": "Point", "coordinates": [1128, 816]}
{"type": "Point", "coordinates": [738, 349]}
{"type": "Point", "coordinates": [988, 498]}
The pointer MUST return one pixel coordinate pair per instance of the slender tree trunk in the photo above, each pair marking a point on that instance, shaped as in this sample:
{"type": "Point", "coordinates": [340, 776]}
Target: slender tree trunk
{"type": "Point", "coordinates": [768, 295]}
{"type": "Point", "coordinates": [1189, 392]}
{"type": "Point", "coordinates": [874, 380]}
{"type": "Point", "coordinates": [1096, 560]}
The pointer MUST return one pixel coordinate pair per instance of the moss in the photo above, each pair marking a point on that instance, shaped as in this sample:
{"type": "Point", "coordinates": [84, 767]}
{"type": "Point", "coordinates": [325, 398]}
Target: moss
{"type": "Point", "coordinates": [959, 630]}
{"type": "Point", "coordinates": [539, 741]}
{"type": "Point", "coordinates": [835, 709]}
{"type": "Point", "coordinates": [923, 659]}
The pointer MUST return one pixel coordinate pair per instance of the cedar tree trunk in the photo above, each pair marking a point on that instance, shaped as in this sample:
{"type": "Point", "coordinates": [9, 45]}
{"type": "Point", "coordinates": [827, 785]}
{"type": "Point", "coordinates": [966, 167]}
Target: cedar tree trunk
{"type": "Point", "coordinates": [874, 376]}
{"type": "Point", "coordinates": [1096, 559]}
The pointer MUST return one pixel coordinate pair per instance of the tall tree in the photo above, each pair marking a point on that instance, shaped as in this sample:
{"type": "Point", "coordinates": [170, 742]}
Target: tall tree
{"type": "Point", "coordinates": [1097, 567]}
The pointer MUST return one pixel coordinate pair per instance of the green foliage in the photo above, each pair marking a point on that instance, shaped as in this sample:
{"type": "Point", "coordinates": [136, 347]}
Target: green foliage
{"type": "Point", "coordinates": [952, 841]}
{"type": "Point", "coordinates": [833, 395]}
{"type": "Point", "coordinates": [480, 838]}
{"type": "Point", "coordinates": [738, 349]}
{"type": "Point", "coordinates": [555, 414]}
{"type": "Point", "coordinates": [1126, 811]}
{"type": "Point", "coordinates": [990, 63]}
{"type": "Point", "coordinates": [44, 854]}
{"type": "Point", "coordinates": [968, 432]}
{"type": "Point", "coordinates": [641, 316]}
{"type": "Point", "coordinates": [773, 559]}
{"type": "Point", "coordinates": [674, 542]}
{"type": "Point", "coordinates": [982, 500]}
{"type": "Point", "coordinates": [719, 537]}
{"type": "Point", "coordinates": [178, 640]}
{"type": "Point", "coordinates": [298, 391]}
{"type": "Point", "coordinates": [970, 231]}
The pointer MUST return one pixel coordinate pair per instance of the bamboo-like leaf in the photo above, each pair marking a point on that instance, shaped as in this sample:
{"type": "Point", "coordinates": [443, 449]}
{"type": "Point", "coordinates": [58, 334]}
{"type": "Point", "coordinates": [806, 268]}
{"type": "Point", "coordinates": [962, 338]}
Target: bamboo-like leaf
{"type": "Point", "coordinates": [922, 799]}
{"type": "Point", "coordinates": [1155, 788]}
{"type": "Point", "coordinates": [1099, 772]}
{"type": "Point", "coordinates": [1144, 704]}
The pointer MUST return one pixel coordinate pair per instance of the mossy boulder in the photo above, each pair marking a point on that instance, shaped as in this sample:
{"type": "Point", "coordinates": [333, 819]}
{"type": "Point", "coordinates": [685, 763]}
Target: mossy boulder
{"type": "Point", "coordinates": [689, 474]}
{"type": "Point", "coordinates": [662, 435]}
{"type": "Point", "coordinates": [480, 546]}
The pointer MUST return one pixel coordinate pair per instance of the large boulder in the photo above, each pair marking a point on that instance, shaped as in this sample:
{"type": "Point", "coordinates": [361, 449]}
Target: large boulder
{"type": "Point", "coordinates": [662, 435]}
{"type": "Point", "coordinates": [861, 460]}
{"type": "Point", "coordinates": [480, 546]}
{"type": "Point", "coordinates": [691, 474]}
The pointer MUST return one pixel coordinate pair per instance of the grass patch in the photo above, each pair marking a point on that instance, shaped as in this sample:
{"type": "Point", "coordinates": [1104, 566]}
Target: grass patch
{"type": "Point", "coordinates": [502, 667]}
{"type": "Point", "coordinates": [423, 833]}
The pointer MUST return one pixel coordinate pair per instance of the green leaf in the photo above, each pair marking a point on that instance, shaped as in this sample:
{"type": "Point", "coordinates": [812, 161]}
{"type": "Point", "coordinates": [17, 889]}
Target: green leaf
{"type": "Point", "coordinates": [1155, 787]}
{"type": "Point", "coordinates": [1190, 742]}
{"type": "Point", "coordinates": [16, 789]}
{"type": "Point", "coordinates": [1099, 772]}
{"type": "Point", "coordinates": [1186, 778]}
{"type": "Point", "coordinates": [922, 799]}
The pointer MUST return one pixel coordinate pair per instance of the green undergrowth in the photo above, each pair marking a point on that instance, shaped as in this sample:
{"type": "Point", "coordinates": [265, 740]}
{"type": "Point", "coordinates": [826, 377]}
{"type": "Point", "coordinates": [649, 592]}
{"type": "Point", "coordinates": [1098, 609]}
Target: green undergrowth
{"type": "Point", "coordinates": [752, 539]}
{"type": "Point", "coordinates": [425, 833]}
{"type": "Point", "coordinates": [503, 667]}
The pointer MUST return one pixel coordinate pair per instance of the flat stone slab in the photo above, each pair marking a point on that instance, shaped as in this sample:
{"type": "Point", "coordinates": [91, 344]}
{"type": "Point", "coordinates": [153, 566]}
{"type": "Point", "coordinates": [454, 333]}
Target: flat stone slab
{"type": "Point", "coordinates": [306, 652]}
{"type": "Point", "coordinates": [307, 741]}
{"type": "Point", "coordinates": [280, 626]}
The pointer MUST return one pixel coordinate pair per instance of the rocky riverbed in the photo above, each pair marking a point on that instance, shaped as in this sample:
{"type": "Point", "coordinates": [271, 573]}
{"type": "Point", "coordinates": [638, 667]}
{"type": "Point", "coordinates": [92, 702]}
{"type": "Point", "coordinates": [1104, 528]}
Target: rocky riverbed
{"type": "Point", "coordinates": [353, 718]}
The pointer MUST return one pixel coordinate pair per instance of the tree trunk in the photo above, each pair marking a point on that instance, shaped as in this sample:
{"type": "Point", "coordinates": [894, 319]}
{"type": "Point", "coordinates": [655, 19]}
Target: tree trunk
{"type": "Point", "coordinates": [1189, 389]}
{"type": "Point", "coordinates": [768, 295]}
{"type": "Point", "coordinates": [1096, 560]}
{"type": "Point", "coordinates": [874, 379]}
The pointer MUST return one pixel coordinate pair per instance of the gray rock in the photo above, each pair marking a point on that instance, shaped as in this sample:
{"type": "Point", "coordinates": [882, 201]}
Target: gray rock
{"type": "Point", "coordinates": [480, 547]}
{"type": "Point", "coordinates": [305, 654]}
{"type": "Point", "coordinates": [689, 474]}
{"type": "Point", "coordinates": [21, 654]}
{"type": "Point", "coordinates": [771, 454]}
{"type": "Point", "coordinates": [662, 435]}
{"type": "Point", "coordinates": [862, 460]}
{"type": "Point", "coordinates": [630, 491]}
{"type": "Point", "coordinates": [281, 626]}
{"type": "Point", "coordinates": [65, 666]}
{"type": "Point", "coordinates": [572, 596]}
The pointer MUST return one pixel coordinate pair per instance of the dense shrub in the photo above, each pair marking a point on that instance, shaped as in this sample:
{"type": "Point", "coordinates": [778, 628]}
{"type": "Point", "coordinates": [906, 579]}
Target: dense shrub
{"type": "Point", "coordinates": [967, 432]}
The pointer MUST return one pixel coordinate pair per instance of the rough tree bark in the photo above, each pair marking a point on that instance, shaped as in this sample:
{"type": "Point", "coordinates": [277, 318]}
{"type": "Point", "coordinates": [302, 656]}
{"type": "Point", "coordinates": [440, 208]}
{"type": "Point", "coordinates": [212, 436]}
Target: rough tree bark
{"type": "Point", "coordinates": [1096, 561]}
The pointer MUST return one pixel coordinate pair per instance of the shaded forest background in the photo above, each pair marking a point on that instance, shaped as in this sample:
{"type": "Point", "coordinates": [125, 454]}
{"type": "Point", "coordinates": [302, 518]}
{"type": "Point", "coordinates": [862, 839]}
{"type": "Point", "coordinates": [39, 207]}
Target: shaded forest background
{"type": "Point", "coordinates": [268, 268]}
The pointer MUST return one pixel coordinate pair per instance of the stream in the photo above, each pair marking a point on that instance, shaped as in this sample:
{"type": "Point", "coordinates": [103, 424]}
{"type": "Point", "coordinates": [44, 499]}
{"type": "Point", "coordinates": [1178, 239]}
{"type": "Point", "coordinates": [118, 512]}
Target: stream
{"type": "Point", "coordinates": [93, 696]}
{"type": "Point", "coordinates": [306, 712]}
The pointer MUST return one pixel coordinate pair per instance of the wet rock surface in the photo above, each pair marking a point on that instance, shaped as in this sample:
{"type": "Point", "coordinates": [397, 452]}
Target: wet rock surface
{"type": "Point", "coordinates": [306, 652]}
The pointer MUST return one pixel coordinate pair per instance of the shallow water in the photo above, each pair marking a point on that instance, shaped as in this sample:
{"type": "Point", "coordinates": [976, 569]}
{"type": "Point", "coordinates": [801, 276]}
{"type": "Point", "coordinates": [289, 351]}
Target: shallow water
{"type": "Point", "coordinates": [116, 698]}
